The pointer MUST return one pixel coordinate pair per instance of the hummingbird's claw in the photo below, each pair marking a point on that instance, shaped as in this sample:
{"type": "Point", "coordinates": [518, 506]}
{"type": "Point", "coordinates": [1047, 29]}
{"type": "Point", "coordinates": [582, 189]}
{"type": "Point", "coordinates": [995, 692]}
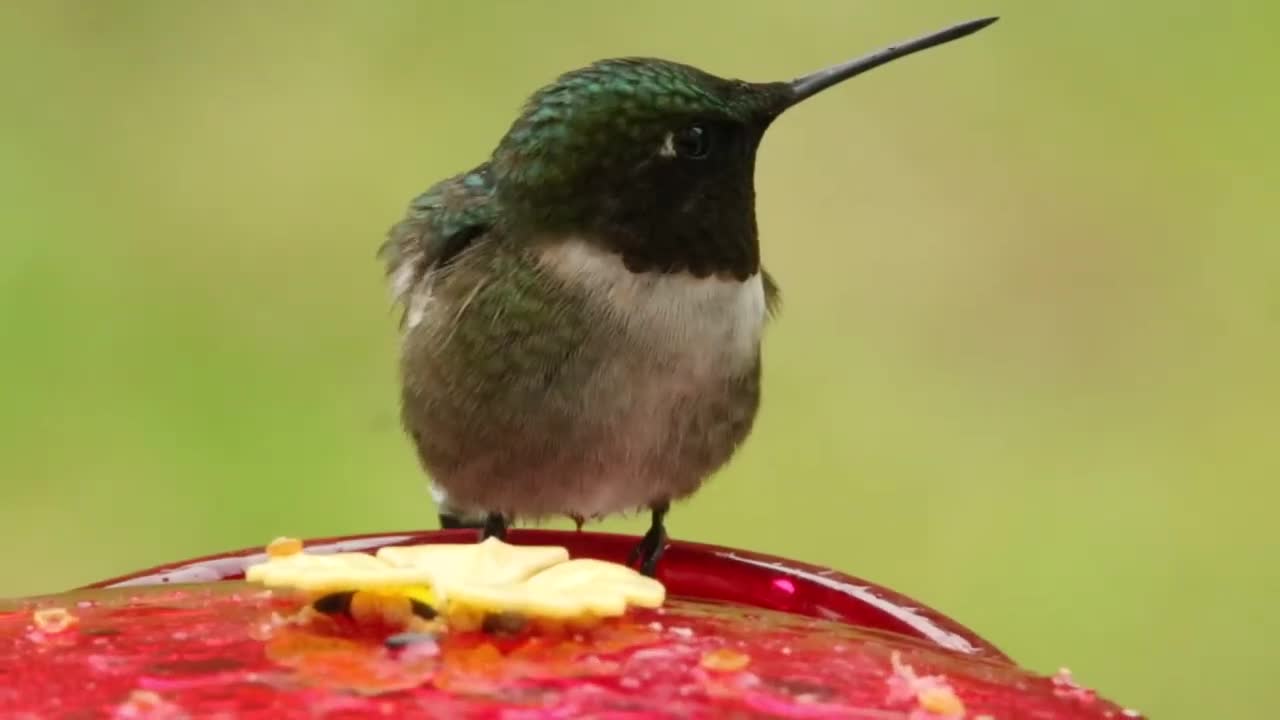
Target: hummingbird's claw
{"type": "Point", "coordinates": [649, 550]}
{"type": "Point", "coordinates": [495, 526]}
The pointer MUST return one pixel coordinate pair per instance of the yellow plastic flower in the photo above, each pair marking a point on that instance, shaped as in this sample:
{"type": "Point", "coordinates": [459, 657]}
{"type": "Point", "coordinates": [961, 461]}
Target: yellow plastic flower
{"type": "Point", "coordinates": [467, 583]}
{"type": "Point", "coordinates": [335, 573]}
{"type": "Point", "coordinates": [491, 562]}
{"type": "Point", "coordinates": [576, 588]}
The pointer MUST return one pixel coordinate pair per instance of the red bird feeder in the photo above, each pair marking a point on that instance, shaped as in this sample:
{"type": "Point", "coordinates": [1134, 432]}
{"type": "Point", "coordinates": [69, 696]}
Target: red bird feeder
{"type": "Point", "coordinates": [741, 636]}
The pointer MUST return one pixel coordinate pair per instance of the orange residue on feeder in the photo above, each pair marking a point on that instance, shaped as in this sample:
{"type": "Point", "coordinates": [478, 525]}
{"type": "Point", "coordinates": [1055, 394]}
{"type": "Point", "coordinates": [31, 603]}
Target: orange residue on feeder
{"type": "Point", "coordinates": [480, 659]}
{"type": "Point", "coordinates": [552, 652]}
{"type": "Point", "coordinates": [373, 608]}
{"type": "Point", "coordinates": [284, 547]}
{"type": "Point", "coordinates": [147, 705]}
{"type": "Point", "coordinates": [348, 664]}
{"type": "Point", "coordinates": [616, 637]}
{"type": "Point", "coordinates": [564, 655]}
{"type": "Point", "coordinates": [1065, 686]}
{"type": "Point", "coordinates": [475, 668]}
{"type": "Point", "coordinates": [53, 620]}
{"type": "Point", "coordinates": [293, 646]}
{"type": "Point", "coordinates": [932, 694]}
{"type": "Point", "coordinates": [940, 701]}
{"type": "Point", "coordinates": [725, 660]}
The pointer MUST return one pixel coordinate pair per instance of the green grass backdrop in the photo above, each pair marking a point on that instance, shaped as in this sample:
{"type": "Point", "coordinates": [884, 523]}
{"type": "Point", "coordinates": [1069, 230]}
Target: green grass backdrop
{"type": "Point", "coordinates": [1026, 369]}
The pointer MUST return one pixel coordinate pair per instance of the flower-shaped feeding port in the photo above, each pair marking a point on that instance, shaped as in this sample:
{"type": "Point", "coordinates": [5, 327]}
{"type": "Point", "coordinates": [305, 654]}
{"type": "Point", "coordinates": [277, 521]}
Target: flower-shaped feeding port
{"type": "Point", "coordinates": [488, 584]}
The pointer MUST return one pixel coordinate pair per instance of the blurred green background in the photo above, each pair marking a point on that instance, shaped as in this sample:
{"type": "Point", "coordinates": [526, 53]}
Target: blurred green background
{"type": "Point", "coordinates": [1026, 370]}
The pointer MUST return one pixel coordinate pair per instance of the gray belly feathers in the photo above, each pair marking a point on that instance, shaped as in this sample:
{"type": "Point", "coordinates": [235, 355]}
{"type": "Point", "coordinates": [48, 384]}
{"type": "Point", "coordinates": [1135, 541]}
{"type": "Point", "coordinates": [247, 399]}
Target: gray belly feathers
{"type": "Point", "coordinates": [568, 385]}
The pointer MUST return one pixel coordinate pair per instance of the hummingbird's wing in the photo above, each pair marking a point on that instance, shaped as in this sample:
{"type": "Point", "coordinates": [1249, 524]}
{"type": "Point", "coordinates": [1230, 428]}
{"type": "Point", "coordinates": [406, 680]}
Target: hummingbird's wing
{"type": "Point", "coordinates": [772, 293]}
{"type": "Point", "coordinates": [439, 225]}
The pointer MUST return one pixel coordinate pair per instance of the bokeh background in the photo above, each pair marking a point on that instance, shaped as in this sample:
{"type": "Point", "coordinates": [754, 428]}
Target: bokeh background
{"type": "Point", "coordinates": [1026, 369]}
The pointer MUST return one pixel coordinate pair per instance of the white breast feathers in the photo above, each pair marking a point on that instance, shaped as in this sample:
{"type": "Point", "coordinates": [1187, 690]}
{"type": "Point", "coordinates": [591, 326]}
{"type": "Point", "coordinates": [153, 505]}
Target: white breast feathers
{"type": "Point", "coordinates": [711, 321]}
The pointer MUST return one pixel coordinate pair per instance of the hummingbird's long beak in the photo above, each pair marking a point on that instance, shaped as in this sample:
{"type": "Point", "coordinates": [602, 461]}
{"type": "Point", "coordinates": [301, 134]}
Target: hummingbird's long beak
{"type": "Point", "coordinates": [812, 84]}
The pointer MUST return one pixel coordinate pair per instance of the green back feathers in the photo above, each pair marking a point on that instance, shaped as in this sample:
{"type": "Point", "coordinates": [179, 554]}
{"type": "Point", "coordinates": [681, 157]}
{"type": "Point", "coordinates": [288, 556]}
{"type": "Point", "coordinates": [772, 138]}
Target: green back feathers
{"type": "Point", "coordinates": [439, 224]}
{"type": "Point", "coordinates": [459, 207]}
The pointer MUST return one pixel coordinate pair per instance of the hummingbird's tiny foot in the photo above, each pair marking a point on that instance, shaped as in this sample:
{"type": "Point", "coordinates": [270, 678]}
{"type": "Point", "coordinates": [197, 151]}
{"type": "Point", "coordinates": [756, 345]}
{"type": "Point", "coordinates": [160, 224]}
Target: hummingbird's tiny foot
{"type": "Point", "coordinates": [649, 550]}
{"type": "Point", "coordinates": [495, 526]}
{"type": "Point", "coordinates": [650, 565]}
{"type": "Point", "coordinates": [645, 555]}
{"type": "Point", "coordinates": [578, 520]}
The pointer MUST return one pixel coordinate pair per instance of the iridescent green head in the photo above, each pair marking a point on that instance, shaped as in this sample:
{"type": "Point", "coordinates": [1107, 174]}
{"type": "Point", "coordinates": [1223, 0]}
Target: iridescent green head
{"type": "Point", "coordinates": [655, 159]}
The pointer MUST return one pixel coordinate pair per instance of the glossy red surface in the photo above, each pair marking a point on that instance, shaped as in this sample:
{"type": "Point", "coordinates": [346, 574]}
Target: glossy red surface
{"type": "Point", "coordinates": [829, 646]}
{"type": "Point", "coordinates": [690, 570]}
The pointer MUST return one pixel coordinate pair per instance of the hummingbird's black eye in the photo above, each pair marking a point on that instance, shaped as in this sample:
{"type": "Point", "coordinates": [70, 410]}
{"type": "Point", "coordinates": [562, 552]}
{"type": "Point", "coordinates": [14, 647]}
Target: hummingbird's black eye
{"type": "Point", "coordinates": [692, 142]}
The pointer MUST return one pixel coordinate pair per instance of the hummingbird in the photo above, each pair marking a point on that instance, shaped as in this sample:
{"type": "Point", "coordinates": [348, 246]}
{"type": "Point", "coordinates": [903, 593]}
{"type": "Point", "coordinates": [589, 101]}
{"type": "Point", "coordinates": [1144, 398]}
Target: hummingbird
{"type": "Point", "coordinates": [582, 312]}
